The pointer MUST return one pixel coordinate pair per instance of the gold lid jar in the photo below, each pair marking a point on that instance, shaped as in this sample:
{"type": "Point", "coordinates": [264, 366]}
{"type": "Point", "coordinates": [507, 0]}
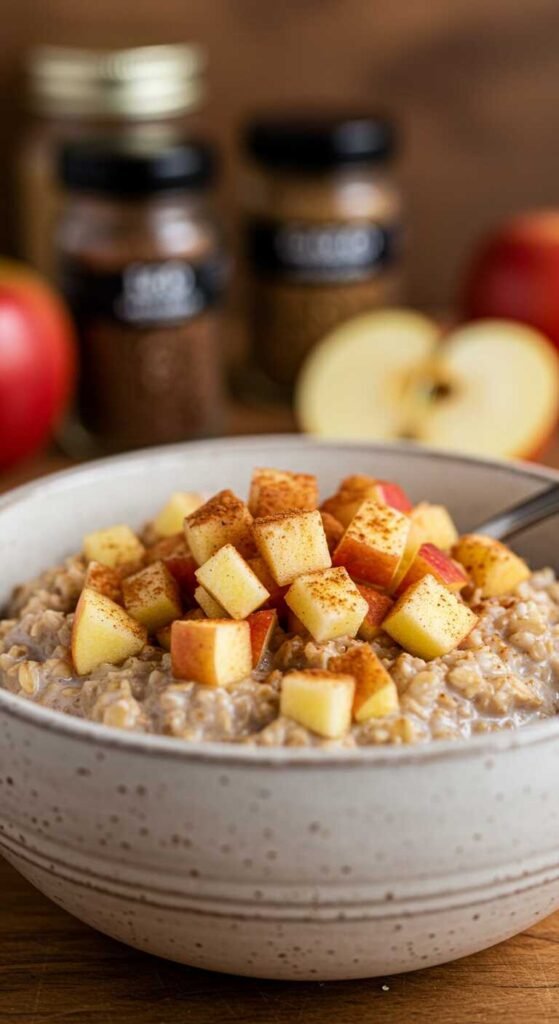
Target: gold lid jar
{"type": "Point", "coordinates": [75, 94]}
{"type": "Point", "coordinates": [324, 231]}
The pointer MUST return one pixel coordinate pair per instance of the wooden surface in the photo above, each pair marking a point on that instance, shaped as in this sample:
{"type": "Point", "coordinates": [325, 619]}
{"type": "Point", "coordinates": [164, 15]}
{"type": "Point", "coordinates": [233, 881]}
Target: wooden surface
{"type": "Point", "coordinates": [472, 82]}
{"type": "Point", "coordinates": [54, 970]}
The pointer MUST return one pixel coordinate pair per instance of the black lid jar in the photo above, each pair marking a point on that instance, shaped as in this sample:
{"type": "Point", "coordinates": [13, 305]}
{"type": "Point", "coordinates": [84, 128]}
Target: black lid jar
{"type": "Point", "coordinates": [141, 264]}
{"type": "Point", "coordinates": [323, 229]}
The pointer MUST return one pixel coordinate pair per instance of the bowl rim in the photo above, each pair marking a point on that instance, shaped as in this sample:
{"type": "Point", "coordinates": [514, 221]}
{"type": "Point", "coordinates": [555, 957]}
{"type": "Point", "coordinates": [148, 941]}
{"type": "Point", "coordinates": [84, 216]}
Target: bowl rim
{"type": "Point", "coordinates": [218, 752]}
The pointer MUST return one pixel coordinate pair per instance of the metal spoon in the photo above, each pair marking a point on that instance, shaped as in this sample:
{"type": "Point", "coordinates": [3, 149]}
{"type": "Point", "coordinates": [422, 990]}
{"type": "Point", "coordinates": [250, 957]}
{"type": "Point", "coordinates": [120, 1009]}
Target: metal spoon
{"type": "Point", "coordinates": [526, 513]}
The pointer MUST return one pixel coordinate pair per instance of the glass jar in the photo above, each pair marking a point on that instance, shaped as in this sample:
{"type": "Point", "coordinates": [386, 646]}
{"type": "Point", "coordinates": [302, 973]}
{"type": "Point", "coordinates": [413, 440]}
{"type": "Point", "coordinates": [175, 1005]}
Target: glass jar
{"type": "Point", "coordinates": [76, 94]}
{"type": "Point", "coordinates": [141, 265]}
{"type": "Point", "coordinates": [324, 233]}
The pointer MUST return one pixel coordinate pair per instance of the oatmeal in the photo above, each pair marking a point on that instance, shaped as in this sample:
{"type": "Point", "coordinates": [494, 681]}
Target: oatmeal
{"type": "Point", "coordinates": [408, 645]}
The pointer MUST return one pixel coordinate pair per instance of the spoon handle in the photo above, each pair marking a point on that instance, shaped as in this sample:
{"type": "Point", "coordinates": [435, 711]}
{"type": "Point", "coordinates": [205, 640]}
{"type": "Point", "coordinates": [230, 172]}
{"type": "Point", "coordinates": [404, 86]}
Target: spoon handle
{"type": "Point", "coordinates": [528, 512]}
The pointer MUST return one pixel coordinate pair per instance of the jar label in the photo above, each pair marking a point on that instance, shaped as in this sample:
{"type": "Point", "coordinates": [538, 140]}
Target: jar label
{"type": "Point", "coordinates": [145, 293]}
{"type": "Point", "coordinates": [316, 253]}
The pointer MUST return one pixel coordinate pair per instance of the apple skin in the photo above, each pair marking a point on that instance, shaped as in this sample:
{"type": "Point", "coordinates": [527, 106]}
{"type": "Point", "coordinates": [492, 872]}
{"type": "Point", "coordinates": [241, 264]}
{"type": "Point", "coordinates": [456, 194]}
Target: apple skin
{"type": "Point", "coordinates": [37, 361]}
{"type": "Point", "coordinates": [515, 274]}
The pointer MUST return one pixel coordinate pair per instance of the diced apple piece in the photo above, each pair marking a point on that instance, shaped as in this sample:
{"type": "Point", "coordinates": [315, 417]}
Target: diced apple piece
{"type": "Point", "coordinates": [349, 497]}
{"type": "Point", "coordinates": [232, 583]}
{"type": "Point", "coordinates": [104, 580]}
{"type": "Point", "coordinates": [103, 632]}
{"type": "Point", "coordinates": [333, 530]}
{"type": "Point", "coordinates": [387, 493]}
{"type": "Point", "coordinates": [373, 545]}
{"type": "Point", "coordinates": [151, 596]}
{"type": "Point", "coordinates": [411, 549]}
{"type": "Point", "coordinates": [376, 694]}
{"type": "Point", "coordinates": [491, 565]}
{"type": "Point", "coordinates": [262, 625]}
{"type": "Point", "coordinates": [328, 603]}
{"type": "Point", "coordinates": [274, 490]}
{"type": "Point", "coordinates": [430, 559]}
{"type": "Point", "coordinates": [432, 524]}
{"type": "Point", "coordinates": [211, 651]}
{"type": "Point", "coordinates": [428, 620]}
{"type": "Point", "coordinates": [224, 519]}
{"type": "Point", "coordinates": [292, 543]}
{"type": "Point", "coordinates": [171, 517]}
{"type": "Point", "coordinates": [378, 607]}
{"type": "Point", "coordinates": [209, 605]}
{"type": "Point", "coordinates": [113, 546]}
{"type": "Point", "coordinates": [320, 701]}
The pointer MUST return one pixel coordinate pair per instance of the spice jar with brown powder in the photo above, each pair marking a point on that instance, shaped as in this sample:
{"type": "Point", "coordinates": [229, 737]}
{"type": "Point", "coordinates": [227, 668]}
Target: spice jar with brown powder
{"type": "Point", "coordinates": [141, 264]}
{"type": "Point", "coordinates": [323, 231]}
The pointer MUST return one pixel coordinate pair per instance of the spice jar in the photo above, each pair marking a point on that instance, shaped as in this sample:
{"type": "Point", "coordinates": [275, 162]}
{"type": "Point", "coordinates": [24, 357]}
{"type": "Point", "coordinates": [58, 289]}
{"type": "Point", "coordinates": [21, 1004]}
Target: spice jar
{"type": "Point", "coordinates": [75, 94]}
{"type": "Point", "coordinates": [141, 265]}
{"type": "Point", "coordinates": [323, 230]}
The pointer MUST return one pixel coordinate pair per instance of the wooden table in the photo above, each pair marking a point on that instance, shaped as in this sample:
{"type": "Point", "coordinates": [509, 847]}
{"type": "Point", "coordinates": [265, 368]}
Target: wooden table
{"type": "Point", "coordinates": [54, 969]}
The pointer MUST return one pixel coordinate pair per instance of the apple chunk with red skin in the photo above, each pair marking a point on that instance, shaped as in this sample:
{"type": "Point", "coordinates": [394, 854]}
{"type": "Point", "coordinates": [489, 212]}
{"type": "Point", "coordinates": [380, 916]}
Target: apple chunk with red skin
{"type": "Point", "coordinates": [374, 543]}
{"type": "Point", "coordinates": [376, 694]}
{"type": "Point", "coordinates": [356, 489]}
{"type": "Point", "coordinates": [429, 559]}
{"type": "Point", "coordinates": [378, 605]}
{"type": "Point", "coordinates": [103, 632]}
{"type": "Point", "coordinates": [215, 652]}
{"type": "Point", "coordinates": [262, 625]}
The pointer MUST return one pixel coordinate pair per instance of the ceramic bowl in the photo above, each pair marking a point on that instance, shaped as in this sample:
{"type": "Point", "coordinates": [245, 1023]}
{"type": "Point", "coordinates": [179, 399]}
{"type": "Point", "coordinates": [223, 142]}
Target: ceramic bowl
{"type": "Point", "coordinates": [276, 863]}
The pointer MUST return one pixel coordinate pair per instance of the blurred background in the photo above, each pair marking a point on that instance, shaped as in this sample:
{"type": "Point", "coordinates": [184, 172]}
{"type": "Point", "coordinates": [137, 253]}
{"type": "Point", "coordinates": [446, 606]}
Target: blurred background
{"type": "Point", "coordinates": [466, 146]}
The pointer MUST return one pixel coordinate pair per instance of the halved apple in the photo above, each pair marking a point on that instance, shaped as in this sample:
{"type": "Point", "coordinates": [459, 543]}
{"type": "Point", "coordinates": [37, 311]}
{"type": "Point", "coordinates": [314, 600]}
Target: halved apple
{"type": "Point", "coordinates": [452, 394]}
{"type": "Point", "coordinates": [103, 632]}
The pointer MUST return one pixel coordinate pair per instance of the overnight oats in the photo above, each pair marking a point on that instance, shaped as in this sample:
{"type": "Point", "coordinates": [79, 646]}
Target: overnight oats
{"type": "Point", "coordinates": [281, 621]}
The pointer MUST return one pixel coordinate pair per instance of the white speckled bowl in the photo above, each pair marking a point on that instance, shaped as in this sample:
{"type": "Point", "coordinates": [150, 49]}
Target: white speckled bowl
{"type": "Point", "coordinates": [277, 863]}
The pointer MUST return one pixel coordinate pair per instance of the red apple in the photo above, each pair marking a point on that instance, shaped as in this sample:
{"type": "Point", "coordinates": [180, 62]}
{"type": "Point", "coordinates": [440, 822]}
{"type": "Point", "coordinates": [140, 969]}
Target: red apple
{"type": "Point", "coordinates": [37, 361]}
{"type": "Point", "coordinates": [515, 273]}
